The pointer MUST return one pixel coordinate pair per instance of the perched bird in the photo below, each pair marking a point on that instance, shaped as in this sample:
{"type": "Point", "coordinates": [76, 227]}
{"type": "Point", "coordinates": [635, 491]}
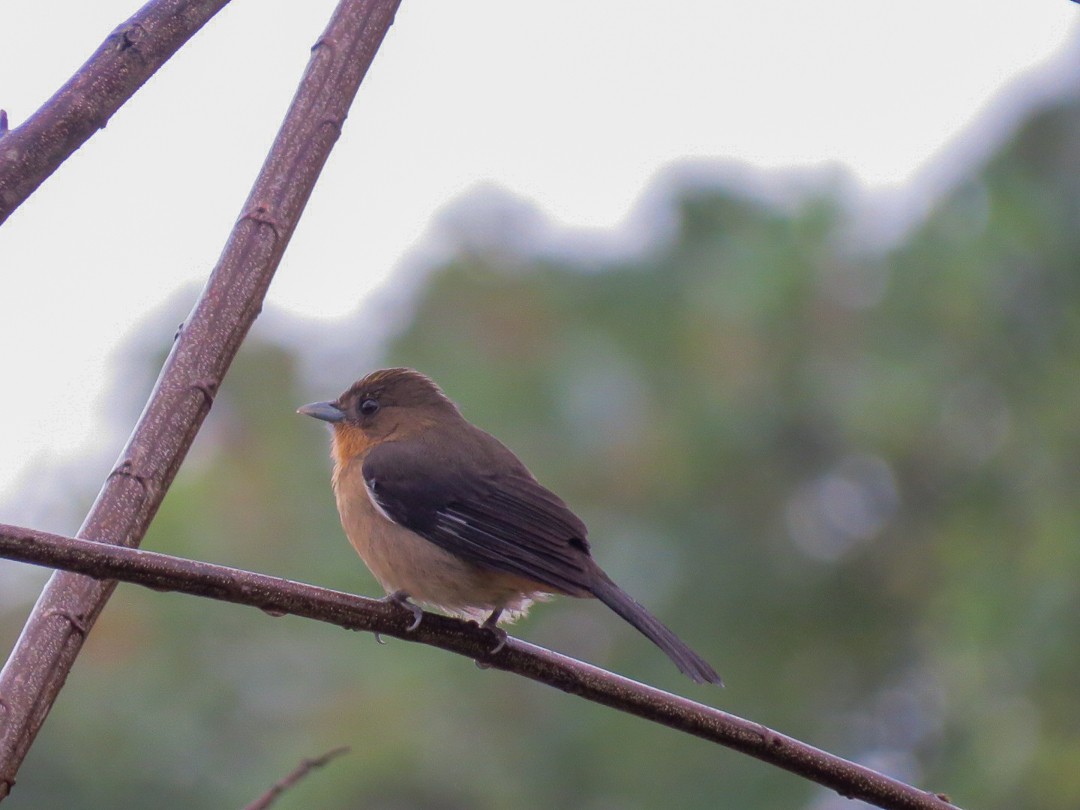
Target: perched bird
{"type": "Point", "coordinates": [446, 514]}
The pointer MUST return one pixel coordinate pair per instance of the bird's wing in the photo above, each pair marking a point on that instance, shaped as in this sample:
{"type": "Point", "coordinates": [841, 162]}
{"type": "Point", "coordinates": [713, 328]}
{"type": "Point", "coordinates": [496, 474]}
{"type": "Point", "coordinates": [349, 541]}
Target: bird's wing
{"type": "Point", "coordinates": [500, 520]}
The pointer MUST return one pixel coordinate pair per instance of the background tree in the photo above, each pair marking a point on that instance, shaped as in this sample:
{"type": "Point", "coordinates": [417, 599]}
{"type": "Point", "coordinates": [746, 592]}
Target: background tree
{"type": "Point", "coordinates": [846, 476]}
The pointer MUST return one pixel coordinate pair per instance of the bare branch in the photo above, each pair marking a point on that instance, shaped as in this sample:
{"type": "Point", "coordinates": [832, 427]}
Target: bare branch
{"type": "Point", "coordinates": [276, 596]}
{"type": "Point", "coordinates": [298, 773]}
{"type": "Point", "coordinates": [203, 350]}
{"type": "Point", "coordinates": [121, 65]}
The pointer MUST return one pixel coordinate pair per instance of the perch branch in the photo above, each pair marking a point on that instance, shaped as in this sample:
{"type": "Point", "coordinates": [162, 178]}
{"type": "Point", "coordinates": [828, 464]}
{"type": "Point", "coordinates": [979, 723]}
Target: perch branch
{"type": "Point", "coordinates": [127, 58]}
{"type": "Point", "coordinates": [189, 380]}
{"type": "Point", "coordinates": [277, 596]}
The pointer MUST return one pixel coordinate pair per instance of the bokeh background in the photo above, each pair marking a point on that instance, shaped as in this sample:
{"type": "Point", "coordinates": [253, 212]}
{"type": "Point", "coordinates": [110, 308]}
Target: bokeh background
{"type": "Point", "coordinates": [838, 453]}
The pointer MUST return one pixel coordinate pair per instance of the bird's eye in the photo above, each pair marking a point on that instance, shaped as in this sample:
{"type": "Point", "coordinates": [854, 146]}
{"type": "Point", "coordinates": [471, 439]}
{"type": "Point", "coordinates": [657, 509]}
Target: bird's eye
{"type": "Point", "coordinates": [369, 407]}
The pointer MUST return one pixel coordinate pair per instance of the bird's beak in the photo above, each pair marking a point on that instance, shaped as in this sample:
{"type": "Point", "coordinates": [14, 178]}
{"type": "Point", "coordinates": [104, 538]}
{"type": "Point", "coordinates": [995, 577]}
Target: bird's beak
{"type": "Point", "coordinates": [326, 411]}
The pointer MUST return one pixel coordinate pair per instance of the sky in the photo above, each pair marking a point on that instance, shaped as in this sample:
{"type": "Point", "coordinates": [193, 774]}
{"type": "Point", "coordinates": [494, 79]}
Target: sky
{"type": "Point", "coordinates": [571, 108]}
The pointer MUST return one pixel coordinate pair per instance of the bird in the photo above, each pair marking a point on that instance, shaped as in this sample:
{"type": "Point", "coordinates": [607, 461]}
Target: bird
{"type": "Point", "coordinates": [444, 514]}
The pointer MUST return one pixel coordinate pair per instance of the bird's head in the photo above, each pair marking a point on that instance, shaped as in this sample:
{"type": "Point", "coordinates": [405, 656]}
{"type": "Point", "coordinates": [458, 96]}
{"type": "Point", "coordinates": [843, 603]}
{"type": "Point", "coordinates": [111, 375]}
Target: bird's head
{"type": "Point", "coordinates": [392, 403]}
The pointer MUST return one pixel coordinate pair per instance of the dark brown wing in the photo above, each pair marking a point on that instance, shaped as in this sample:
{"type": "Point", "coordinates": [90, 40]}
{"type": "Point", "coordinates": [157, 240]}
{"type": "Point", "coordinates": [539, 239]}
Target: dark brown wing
{"type": "Point", "coordinates": [488, 510]}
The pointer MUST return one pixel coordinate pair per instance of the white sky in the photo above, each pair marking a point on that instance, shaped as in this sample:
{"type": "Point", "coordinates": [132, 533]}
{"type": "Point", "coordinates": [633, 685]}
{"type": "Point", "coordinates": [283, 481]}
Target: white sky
{"type": "Point", "coordinates": [571, 105]}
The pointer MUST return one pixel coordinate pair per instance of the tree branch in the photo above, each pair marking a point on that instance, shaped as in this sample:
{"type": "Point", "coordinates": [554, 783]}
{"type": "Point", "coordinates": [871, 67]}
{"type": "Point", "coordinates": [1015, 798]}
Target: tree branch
{"type": "Point", "coordinates": [127, 58]}
{"type": "Point", "coordinates": [201, 354]}
{"type": "Point", "coordinates": [276, 596]}
{"type": "Point", "coordinates": [294, 776]}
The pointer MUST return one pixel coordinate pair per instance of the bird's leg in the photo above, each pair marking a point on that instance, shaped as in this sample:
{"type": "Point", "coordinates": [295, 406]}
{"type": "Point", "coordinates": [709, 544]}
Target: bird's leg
{"type": "Point", "coordinates": [491, 624]}
{"type": "Point", "coordinates": [401, 599]}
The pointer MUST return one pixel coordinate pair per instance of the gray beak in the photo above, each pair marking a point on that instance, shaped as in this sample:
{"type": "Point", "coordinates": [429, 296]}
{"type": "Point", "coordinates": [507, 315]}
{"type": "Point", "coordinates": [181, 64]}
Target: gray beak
{"type": "Point", "coordinates": [326, 411]}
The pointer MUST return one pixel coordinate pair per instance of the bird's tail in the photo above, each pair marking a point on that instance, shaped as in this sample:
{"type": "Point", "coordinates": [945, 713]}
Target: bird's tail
{"type": "Point", "coordinates": [689, 662]}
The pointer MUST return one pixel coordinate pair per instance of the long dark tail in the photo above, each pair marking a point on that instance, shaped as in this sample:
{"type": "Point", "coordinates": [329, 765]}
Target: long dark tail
{"type": "Point", "coordinates": [689, 662]}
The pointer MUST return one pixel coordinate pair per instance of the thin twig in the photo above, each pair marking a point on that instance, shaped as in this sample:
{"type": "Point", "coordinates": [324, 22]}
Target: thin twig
{"type": "Point", "coordinates": [203, 350]}
{"type": "Point", "coordinates": [129, 56]}
{"type": "Point", "coordinates": [276, 596]}
{"type": "Point", "coordinates": [298, 773]}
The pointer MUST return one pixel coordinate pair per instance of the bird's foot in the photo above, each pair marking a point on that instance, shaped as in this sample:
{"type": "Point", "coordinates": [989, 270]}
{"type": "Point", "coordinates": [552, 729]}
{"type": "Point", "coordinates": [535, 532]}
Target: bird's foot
{"type": "Point", "coordinates": [491, 624]}
{"type": "Point", "coordinates": [401, 599]}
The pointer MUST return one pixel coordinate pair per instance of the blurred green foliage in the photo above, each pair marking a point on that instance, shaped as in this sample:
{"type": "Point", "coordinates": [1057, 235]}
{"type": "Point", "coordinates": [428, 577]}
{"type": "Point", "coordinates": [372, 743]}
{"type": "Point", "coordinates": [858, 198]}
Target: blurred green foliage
{"type": "Point", "coordinates": [848, 478]}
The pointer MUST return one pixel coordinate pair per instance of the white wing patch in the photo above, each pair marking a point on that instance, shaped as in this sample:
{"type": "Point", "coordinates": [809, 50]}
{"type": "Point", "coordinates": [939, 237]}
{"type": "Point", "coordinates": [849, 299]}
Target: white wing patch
{"type": "Point", "coordinates": [449, 523]}
{"type": "Point", "coordinates": [369, 487]}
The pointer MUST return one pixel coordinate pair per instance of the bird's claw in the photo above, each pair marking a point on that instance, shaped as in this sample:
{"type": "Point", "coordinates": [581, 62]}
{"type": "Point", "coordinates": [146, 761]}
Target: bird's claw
{"type": "Point", "coordinates": [401, 599]}
{"type": "Point", "coordinates": [500, 639]}
{"type": "Point", "coordinates": [491, 624]}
